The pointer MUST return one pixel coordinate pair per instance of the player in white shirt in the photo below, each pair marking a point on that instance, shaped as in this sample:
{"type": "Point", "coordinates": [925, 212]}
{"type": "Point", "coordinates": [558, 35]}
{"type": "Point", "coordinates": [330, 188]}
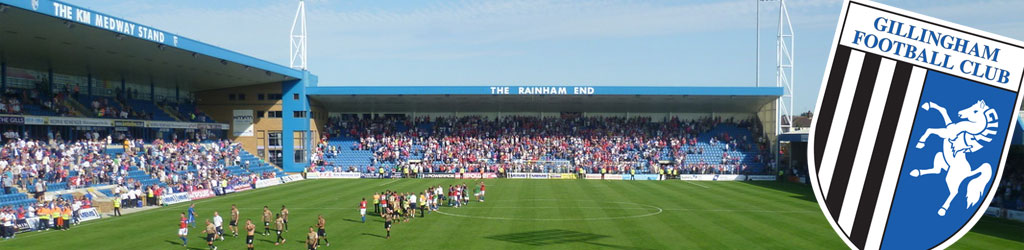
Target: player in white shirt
{"type": "Point", "coordinates": [412, 201]}
{"type": "Point", "coordinates": [438, 193]}
{"type": "Point", "coordinates": [218, 222]}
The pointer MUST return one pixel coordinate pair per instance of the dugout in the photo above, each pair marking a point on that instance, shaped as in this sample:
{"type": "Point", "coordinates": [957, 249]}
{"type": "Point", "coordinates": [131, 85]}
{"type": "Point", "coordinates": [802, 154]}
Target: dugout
{"type": "Point", "coordinates": [793, 155]}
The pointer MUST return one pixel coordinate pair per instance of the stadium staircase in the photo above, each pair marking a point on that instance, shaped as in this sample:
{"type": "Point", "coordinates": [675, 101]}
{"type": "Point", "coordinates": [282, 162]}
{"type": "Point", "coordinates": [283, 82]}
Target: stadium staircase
{"type": "Point", "coordinates": [172, 112]}
{"type": "Point", "coordinates": [77, 108]}
{"type": "Point", "coordinates": [149, 107]}
{"type": "Point", "coordinates": [86, 101]}
{"type": "Point", "coordinates": [109, 192]}
{"type": "Point", "coordinates": [256, 165]}
{"type": "Point", "coordinates": [185, 110]}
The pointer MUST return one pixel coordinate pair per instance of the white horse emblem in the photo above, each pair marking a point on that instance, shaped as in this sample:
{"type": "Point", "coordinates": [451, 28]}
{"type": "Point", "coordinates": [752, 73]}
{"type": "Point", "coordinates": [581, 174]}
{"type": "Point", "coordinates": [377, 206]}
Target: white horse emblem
{"type": "Point", "coordinates": [961, 138]}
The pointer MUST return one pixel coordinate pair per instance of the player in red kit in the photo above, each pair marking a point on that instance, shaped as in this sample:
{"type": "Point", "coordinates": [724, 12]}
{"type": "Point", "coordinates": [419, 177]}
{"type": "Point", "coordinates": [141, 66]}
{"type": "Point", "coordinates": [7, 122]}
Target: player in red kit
{"type": "Point", "coordinates": [482, 190]}
{"type": "Point", "coordinates": [362, 209]}
{"type": "Point", "coordinates": [383, 204]}
{"type": "Point", "coordinates": [183, 230]}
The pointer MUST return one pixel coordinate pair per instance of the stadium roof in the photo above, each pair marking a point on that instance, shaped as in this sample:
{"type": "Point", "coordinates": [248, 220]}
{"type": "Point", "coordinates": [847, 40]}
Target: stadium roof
{"type": "Point", "coordinates": [618, 99]}
{"type": "Point", "coordinates": [47, 34]}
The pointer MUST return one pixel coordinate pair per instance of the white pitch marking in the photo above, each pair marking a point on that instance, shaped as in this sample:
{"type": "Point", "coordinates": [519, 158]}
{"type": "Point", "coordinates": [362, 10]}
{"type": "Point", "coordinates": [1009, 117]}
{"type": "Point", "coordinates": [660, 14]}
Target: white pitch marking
{"type": "Point", "coordinates": [695, 183]}
{"type": "Point", "coordinates": [382, 184]}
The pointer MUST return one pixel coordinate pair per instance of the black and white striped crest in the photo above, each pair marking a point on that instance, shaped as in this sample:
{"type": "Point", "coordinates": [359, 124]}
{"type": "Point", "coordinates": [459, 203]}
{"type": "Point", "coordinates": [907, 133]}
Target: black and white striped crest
{"type": "Point", "coordinates": [911, 128]}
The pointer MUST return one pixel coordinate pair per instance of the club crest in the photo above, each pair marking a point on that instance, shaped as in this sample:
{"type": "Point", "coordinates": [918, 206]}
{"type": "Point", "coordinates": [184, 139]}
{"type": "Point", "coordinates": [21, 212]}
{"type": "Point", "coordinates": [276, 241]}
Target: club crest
{"type": "Point", "coordinates": [958, 140]}
{"type": "Point", "coordinates": [912, 127]}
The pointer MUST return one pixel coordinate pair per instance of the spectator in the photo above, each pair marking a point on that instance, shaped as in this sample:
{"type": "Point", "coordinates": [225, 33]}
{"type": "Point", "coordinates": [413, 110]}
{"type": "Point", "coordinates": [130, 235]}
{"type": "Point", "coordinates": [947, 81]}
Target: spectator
{"type": "Point", "coordinates": [531, 144]}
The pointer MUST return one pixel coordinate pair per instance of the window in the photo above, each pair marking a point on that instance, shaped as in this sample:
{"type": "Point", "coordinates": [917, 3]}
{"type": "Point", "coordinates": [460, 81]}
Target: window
{"type": "Point", "coordinates": [295, 96]}
{"type": "Point", "coordinates": [231, 97]}
{"type": "Point", "coordinates": [260, 97]}
{"type": "Point", "coordinates": [261, 135]}
{"type": "Point", "coordinates": [299, 141]}
{"type": "Point", "coordinates": [298, 114]}
{"type": "Point", "coordinates": [259, 114]}
{"type": "Point", "coordinates": [241, 97]}
{"type": "Point", "coordinates": [274, 96]}
{"type": "Point", "coordinates": [274, 139]}
{"type": "Point", "coordinates": [275, 156]}
{"type": "Point", "coordinates": [300, 156]}
{"type": "Point", "coordinates": [274, 114]}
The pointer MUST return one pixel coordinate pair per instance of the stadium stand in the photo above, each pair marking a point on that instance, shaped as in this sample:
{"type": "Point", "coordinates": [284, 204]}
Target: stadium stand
{"type": "Point", "coordinates": [136, 168]}
{"type": "Point", "coordinates": [31, 102]}
{"type": "Point", "coordinates": [150, 110]}
{"type": "Point", "coordinates": [545, 144]}
{"type": "Point", "coordinates": [189, 112]}
{"type": "Point", "coordinates": [1010, 195]}
{"type": "Point", "coordinates": [15, 200]}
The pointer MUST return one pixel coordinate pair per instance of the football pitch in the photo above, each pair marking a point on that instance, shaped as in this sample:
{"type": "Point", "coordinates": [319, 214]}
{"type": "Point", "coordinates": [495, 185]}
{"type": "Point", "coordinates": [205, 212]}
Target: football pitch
{"type": "Point", "coordinates": [517, 214]}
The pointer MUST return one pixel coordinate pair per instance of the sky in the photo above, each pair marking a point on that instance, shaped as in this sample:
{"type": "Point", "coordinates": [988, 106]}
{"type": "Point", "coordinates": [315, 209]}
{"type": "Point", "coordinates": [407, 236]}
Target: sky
{"type": "Point", "coordinates": [538, 42]}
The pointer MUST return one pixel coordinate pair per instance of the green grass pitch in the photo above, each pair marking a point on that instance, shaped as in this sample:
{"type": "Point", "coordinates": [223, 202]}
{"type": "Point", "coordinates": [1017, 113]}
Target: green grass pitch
{"type": "Point", "coordinates": [518, 214]}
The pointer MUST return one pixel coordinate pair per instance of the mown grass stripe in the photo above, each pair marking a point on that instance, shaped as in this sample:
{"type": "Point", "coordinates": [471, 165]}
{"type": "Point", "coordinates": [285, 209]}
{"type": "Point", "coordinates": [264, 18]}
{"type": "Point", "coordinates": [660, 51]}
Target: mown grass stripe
{"type": "Point", "coordinates": [716, 219]}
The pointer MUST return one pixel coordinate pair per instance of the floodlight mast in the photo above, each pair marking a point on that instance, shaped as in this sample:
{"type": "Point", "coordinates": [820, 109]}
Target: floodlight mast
{"type": "Point", "coordinates": [298, 39]}
{"type": "Point", "coordinates": [784, 61]}
{"type": "Point", "coordinates": [785, 58]}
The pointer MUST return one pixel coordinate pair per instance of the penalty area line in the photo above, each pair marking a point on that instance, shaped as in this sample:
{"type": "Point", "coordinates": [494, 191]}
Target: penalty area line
{"type": "Point", "coordinates": [393, 181]}
{"type": "Point", "coordinates": [699, 185]}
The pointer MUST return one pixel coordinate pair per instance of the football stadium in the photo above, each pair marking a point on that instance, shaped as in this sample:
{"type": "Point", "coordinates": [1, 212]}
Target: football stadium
{"type": "Point", "coordinates": [119, 135]}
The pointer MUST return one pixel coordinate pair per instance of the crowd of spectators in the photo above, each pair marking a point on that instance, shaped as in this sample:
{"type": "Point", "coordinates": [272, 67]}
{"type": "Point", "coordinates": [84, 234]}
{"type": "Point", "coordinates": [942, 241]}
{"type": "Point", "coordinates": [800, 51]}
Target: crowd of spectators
{"type": "Point", "coordinates": [208, 160]}
{"type": "Point", "coordinates": [32, 164]}
{"type": "Point", "coordinates": [1010, 194]}
{"type": "Point", "coordinates": [166, 167]}
{"type": "Point", "coordinates": [14, 100]}
{"type": "Point", "coordinates": [181, 166]}
{"type": "Point", "coordinates": [10, 106]}
{"type": "Point", "coordinates": [107, 108]}
{"type": "Point", "coordinates": [532, 143]}
{"type": "Point", "coordinates": [55, 103]}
